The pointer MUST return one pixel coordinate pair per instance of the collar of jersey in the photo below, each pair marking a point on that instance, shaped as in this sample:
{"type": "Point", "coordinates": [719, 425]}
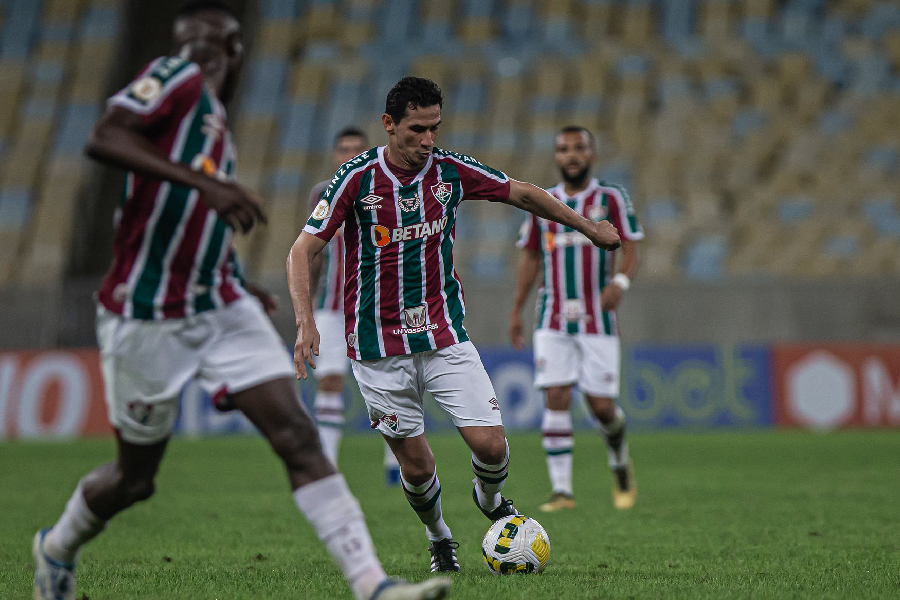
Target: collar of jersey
{"type": "Point", "coordinates": [561, 189]}
{"type": "Point", "coordinates": [419, 176]}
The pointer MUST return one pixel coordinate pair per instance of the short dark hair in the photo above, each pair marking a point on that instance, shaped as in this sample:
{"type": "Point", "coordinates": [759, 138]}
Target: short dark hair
{"type": "Point", "coordinates": [579, 129]}
{"type": "Point", "coordinates": [192, 7]}
{"type": "Point", "coordinates": [351, 132]}
{"type": "Point", "coordinates": [411, 92]}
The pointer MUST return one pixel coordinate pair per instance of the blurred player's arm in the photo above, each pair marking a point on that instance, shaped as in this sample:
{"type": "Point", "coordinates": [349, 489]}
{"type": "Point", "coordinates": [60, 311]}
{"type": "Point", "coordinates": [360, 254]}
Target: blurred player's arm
{"type": "Point", "coordinates": [529, 266]}
{"type": "Point", "coordinates": [611, 294]}
{"type": "Point", "coordinates": [299, 261]}
{"type": "Point", "coordinates": [540, 203]}
{"type": "Point", "coordinates": [119, 139]}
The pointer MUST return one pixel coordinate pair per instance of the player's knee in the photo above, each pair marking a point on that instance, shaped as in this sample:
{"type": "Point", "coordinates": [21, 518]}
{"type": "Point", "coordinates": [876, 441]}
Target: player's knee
{"type": "Point", "coordinates": [296, 443]}
{"type": "Point", "coordinates": [136, 490]}
{"type": "Point", "coordinates": [492, 451]}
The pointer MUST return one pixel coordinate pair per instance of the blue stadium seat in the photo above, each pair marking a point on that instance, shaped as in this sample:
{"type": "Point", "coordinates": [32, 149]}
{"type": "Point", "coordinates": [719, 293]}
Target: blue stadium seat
{"type": "Point", "coordinates": [298, 131]}
{"type": "Point", "coordinates": [77, 121]}
{"type": "Point", "coordinates": [841, 246]}
{"type": "Point", "coordinates": [660, 211]}
{"type": "Point", "coordinates": [15, 208]}
{"type": "Point", "coordinates": [705, 258]}
{"type": "Point", "coordinates": [677, 20]}
{"type": "Point", "coordinates": [20, 23]}
{"type": "Point", "coordinates": [279, 9]}
{"type": "Point", "coordinates": [265, 86]}
{"type": "Point", "coordinates": [101, 24]}
{"type": "Point", "coordinates": [286, 181]}
{"type": "Point", "coordinates": [794, 210]}
{"type": "Point", "coordinates": [398, 20]}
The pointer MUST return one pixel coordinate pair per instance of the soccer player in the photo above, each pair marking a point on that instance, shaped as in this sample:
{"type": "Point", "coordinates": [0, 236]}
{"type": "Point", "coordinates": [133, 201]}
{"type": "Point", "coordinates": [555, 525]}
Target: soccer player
{"type": "Point", "coordinates": [173, 306]}
{"type": "Point", "coordinates": [403, 301]}
{"type": "Point", "coordinates": [576, 339]}
{"type": "Point", "coordinates": [328, 292]}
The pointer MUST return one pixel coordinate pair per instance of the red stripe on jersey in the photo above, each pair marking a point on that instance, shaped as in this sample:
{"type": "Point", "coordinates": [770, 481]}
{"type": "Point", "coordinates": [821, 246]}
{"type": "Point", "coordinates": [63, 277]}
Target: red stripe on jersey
{"type": "Point", "coordinates": [443, 335]}
{"type": "Point", "coordinates": [558, 265]}
{"type": "Point", "coordinates": [351, 231]}
{"type": "Point", "coordinates": [183, 263]}
{"type": "Point", "coordinates": [389, 263]}
{"type": "Point", "coordinates": [588, 268]}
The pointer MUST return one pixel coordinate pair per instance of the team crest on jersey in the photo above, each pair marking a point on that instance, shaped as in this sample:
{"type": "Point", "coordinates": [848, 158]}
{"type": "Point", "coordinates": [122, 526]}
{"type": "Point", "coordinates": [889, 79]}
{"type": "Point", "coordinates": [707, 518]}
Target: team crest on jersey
{"type": "Point", "coordinates": [371, 202]}
{"type": "Point", "coordinates": [146, 89]}
{"type": "Point", "coordinates": [321, 210]}
{"type": "Point", "coordinates": [442, 191]}
{"type": "Point", "coordinates": [597, 213]}
{"type": "Point", "coordinates": [410, 204]}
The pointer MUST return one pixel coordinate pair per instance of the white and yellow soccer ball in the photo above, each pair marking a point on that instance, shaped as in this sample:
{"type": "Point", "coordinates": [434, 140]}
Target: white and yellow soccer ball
{"type": "Point", "coordinates": [516, 544]}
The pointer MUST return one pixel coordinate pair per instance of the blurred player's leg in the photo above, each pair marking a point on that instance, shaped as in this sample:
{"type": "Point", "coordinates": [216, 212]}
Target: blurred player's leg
{"type": "Point", "coordinates": [423, 492]}
{"type": "Point", "coordinates": [558, 443]}
{"type": "Point", "coordinates": [329, 409]}
{"type": "Point", "coordinates": [612, 428]}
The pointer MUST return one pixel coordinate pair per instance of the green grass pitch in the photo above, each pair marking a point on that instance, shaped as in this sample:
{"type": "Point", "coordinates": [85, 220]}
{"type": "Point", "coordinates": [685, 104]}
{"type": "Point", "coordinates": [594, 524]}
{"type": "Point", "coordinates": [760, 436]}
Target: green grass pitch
{"type": "Point", "coordinates": [719, 515]}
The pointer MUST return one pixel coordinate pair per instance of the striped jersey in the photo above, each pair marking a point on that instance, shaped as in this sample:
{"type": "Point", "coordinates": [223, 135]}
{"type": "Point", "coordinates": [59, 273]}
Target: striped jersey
{"type": "Point", "coordinates": [402, 294]}
{"type": "Point", "coordinates": [575, 271]}
{"type": "Point", "coordinates": [173, 254]}
{"type": "Point", "coordinates": [330, 291]}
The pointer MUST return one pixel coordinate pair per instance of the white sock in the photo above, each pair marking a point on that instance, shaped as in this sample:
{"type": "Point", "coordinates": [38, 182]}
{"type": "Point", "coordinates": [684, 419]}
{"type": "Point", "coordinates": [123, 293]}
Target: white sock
{"type": "Point", "coordinates": [425, 499]}
{"type": "Point", "coordinates": [616, 444]}
{"type": "Point", "coordinates": [329, 411]}
{"type": "Point", "coordinates": [77, 526]}
{"type": "Point", "coordinates": [338, 520]}
{"type": "Point", "coordinates": [489, 480]}
{"type": "Point", "coordinates": [558, 443]}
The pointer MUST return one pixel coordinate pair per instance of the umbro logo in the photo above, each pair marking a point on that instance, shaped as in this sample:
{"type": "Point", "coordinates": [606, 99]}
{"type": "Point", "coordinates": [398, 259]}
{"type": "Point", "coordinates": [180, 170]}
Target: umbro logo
{"type": "Point", "coordinates": [371, 202]}
{"type": "Point", "coordinates": [494, 404]}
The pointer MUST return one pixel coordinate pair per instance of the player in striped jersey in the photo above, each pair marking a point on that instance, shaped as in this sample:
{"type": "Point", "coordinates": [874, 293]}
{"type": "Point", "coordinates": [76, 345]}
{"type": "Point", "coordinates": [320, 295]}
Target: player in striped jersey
{"type": "Point", "coordinates": [327, 289]}
{"type": "Point", "coordinates": [576, 337]}
{"type": "Point", "coordinates": [173, 307]}
{"type": "Point", "coordinates": [403, 300]}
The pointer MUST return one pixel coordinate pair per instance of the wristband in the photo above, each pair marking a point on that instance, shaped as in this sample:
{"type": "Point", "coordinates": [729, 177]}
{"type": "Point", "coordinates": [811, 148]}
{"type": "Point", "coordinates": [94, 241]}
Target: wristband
{"type": "Point", "coordinates": [621, 280]}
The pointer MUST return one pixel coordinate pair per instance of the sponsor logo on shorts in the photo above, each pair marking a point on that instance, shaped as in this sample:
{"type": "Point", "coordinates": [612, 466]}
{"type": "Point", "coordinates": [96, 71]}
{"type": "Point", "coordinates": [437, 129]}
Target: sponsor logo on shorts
{"type": "Point", "coordinates": [410, 204]}
{"type": "Point", "coordinates": [416, 319]}
{"type": "Point", "coordinates": [351, 340]}
{"type": "Point", "coordinates": [392, 421]}
{"type": "Point", "coordinates": [371, 202]}
{"type": "Point", "coordinates": [494, 404]}
{"type": "Point", "coordinates": [442, 191]}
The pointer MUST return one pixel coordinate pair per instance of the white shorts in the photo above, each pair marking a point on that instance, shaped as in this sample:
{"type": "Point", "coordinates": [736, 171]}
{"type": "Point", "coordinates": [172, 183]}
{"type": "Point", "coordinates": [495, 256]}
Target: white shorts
{"type": "Point", "coordinates": [332, 358]}
{"type": "Point", "coordinates": [146, 363]}
{"type": "Point", "coordinates": [394, 388]}
{"type": "Point", "coordinates": [590, 361]}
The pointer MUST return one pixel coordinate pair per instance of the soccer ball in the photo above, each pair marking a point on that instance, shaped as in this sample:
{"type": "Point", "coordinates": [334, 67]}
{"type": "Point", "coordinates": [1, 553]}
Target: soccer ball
{"type": "Point", "coordinates": [516, 544]}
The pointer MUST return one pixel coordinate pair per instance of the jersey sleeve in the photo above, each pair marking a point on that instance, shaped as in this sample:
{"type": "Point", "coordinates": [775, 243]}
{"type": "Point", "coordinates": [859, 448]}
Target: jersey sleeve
{"type": "Point", "coordinates": [530, 234]}
{"type": "Point", "coordinates": [316, 194]}
{"type": "Point", "coordinates": [334, 205]}
{"type": "Point", "coordinates": [478, 181]}
{"type": "Point", "coordinates": [621, 212]}
{"type": "Point", "coordinates": [166, 87]}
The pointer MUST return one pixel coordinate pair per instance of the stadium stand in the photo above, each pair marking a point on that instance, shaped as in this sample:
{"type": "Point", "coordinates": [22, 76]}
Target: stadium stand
{"type": "Point", "coordinates": [55, 60]}
{"type": "Point", "coordinates": [758, 138]}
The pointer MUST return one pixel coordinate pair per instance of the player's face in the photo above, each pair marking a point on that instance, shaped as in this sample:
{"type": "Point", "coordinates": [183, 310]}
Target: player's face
{"type": "Point", "coordinates": [347, 147]}
{"type": "Point", "coordinates": [574, 155]}
{"type": "Point", "coordinates": [212, 39]}
{"type": "Point", "coordinates": [414, 136]}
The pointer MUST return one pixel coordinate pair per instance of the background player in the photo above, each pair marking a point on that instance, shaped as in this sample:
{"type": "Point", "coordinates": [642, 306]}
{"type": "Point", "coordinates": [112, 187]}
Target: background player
{"type": "Point", "coordinates": [173, 307]}
{"type": "Point", "coordinates": [576, 338]}
{"type": "Point", "coordinates": [404, 304]}
{"type": "Point", "coordinates": [327, 288]}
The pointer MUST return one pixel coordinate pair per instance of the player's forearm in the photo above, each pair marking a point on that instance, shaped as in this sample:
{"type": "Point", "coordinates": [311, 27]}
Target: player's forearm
{"type": "Point", "coordinates": [315, 273]}
{"type": "Point", "coordinates": [539, 202]}
{"type": "Point", "coordinates": [630, 258]}
{"type": "Point", "coordinates": [525, 277]}
{"type": "Point", "coordinates": [298, 270]}
{"type": "Point", "coordinates": [128, 149]}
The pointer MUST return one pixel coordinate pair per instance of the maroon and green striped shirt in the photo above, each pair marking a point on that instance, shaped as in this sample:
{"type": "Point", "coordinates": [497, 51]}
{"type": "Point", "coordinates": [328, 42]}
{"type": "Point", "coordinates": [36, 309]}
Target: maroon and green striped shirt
{"type": "Point", "coordinates": [402, 294]}
{"type": "Point", "coordinates": [575, 271]}
{"type": "Point", "coordinates": [173, 254]}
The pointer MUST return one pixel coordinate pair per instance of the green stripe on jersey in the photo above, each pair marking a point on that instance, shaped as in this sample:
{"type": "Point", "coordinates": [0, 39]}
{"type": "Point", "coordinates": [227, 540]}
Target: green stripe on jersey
{"type": "Point", "coordinates": [337, 181]}
{"type": "Point", "coordinates": [601, 266]}
{"type": "Point", "coordinates": [207, 276]}
{"type": "Point", "coordinates": [452, 289]}
{"type": "Point", "coordinates": [471, 162]}
{"type": "Point", "coordinates": [170, 217]}
{"type": "Point", "coordinates": [367, 333]}
{"type": "Point", "coordinates": [412, 269]}
{"type": "Point", "coordinates": [572, 291]}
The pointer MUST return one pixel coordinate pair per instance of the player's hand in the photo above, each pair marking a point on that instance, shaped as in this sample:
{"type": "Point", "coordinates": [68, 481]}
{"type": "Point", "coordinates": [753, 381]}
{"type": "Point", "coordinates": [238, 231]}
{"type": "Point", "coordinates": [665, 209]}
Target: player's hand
{"type": "Point", "coordinates": [604, 235]}
{"type": "Point", "coordinates": [268, 301]}
{"type": "Point", "coordinates": [515, 331]}
{"type": "Point", "coordinates": [306, 347]}
{"type": "Point", "coordinates": [239, 207]}
{"type": "Point", "coordinates": [610, 296]}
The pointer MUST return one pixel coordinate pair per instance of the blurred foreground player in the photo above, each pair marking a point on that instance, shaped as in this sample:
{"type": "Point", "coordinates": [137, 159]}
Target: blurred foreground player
{"type": "Point", "coordinates": [576, 339]}
{"type": "Point", "coordinates": [327, 289]}
{"type": "Point", "coordinates": [404, 303]}
{"type": "Point", "coordinates": [173, 307]}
